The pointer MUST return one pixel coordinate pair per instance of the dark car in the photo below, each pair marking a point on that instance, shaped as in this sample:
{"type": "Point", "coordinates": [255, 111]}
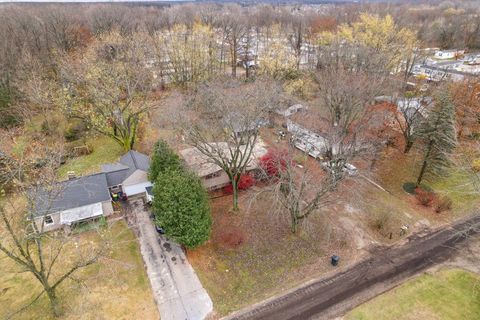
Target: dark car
{"type": "Point", "coordinates": [159, 229]}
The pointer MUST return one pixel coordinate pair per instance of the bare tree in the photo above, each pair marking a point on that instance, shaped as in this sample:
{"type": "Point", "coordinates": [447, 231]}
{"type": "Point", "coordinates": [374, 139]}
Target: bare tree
{"type": "Point", "coordinates": [235, 29]}
{"type": "Point", "coordinates": [22, 237]}
{"type": "Point", "coordinates": [225, 122]}
{"type": "Point", "coordinates": [294, 190]}
{"type": "Point", "coordinates": [411, 111]}
{"type": "Point", "coordinates": [346, 100]}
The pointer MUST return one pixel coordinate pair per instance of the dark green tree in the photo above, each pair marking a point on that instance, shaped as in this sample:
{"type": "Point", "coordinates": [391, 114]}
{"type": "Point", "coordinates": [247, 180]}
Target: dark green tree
{"type": "Point", "coordinates": [181, 207]}
{"type": "Point", "coordinates": [163, 158]}
{"type": "Point", "coordinates": [438, 134]}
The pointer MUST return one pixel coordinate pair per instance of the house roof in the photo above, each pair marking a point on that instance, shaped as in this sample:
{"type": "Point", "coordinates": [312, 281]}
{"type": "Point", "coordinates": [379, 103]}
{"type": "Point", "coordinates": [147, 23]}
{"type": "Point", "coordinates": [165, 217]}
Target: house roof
{"type": "Point", "coordinates": [199, 162]}
{"type": "Point", "coordinates": [203, 166]}
{"type": "Point", "coordinates": [73, 193]}
{"type": "Point", "coordinates": [139, 176]}
{"type": "Point", "coordinates": [130, 162]}
{"type": "Point", "coordinates": [136, 160]}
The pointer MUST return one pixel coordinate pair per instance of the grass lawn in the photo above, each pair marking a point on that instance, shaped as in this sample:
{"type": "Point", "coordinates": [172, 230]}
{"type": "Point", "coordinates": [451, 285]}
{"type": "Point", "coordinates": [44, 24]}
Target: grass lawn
{"type": "Point", "coordinates": [397, 168]}
{"type": "Point", "coordinates": [115, 288]}
{"type": "Point", "coordinates": [105, 150]}
{"type": "Point", "coordinates": [449, 294]}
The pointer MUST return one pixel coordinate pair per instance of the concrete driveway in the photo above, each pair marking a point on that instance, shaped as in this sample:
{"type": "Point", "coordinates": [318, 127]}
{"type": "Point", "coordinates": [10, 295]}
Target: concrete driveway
{"type": "Point", "coordinates": [176, 288]}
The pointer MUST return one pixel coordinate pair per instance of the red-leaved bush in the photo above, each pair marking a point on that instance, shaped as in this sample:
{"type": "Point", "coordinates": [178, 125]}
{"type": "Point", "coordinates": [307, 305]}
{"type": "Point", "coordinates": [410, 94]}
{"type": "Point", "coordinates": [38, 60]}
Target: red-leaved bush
{"type": "Point", "coordinates": [425, 198]}
{"type": "Point", "coordinates": [273, 162]}
{"type": "Point", "coordinates": [246, 181]}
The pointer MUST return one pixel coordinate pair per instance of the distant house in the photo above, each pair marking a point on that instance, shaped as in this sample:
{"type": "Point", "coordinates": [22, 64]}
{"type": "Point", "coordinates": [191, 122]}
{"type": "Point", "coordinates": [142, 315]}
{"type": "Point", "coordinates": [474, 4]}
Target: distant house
{"type": "Point", "coordinates": [292, 110]}
{"type": "Point", "coordinates": [448, 54]}
{"type": "Point", "coordinates": [89, 197]}
{"type": "Point", "coordinates": [308, 141]}
{"type": "Point", "coordinates": [211, 175]}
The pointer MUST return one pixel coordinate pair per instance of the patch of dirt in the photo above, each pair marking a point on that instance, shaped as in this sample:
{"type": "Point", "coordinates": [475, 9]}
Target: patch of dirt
{"type": "Point", "coordinates": [231, 237]}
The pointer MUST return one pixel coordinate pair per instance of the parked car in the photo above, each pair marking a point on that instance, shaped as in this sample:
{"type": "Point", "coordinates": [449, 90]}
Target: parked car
{"type": "Point", "coordinates": [159, 229]}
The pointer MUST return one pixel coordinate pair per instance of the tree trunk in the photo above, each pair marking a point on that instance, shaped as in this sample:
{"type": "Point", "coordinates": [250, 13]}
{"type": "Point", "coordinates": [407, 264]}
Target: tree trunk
{"type": "Point", "coordinates": [425, 163]}
{"type": "Point", "coordinates": [52, 297]}
{"type": "Point", "coordinates": [234, 59]}
{"type": "Point", "coordinates": [235, 194]}
{"type": "Point", "coordinates": [294, 222]}
{"type": "Point", "coordinates": [408, 145]}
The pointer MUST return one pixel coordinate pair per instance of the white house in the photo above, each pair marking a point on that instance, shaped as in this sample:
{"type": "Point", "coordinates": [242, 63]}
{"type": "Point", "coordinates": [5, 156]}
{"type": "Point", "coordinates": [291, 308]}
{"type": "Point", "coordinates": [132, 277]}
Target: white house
{"type": "Point", "coordinates": [448, 54]}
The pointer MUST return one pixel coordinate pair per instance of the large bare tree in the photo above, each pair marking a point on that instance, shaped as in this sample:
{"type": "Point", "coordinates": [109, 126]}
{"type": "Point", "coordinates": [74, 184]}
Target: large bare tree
{"type": "Point", "coordinates": [294, 190]}
{"type": "Point", "coordinates": [225, 118]}
{"type": "Point", "coordinates": [51, 258]}
{"type": "Point", "coordinates": [346, 100]}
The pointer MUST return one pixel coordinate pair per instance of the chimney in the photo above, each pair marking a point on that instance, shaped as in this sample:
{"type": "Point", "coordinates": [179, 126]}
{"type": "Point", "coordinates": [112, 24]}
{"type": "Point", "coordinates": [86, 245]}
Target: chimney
{"type": "Point", "coordinates": [71, 175]}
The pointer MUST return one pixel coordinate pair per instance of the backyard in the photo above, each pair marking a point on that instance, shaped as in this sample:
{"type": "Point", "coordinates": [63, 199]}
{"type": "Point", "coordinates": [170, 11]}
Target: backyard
{"type": "Point", "coordinates": [116, 288]}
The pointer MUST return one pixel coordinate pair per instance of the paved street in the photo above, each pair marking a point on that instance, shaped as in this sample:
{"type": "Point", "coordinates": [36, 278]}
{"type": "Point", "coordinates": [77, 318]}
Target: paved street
{"type": "Point", "coordinates": [176, 288]}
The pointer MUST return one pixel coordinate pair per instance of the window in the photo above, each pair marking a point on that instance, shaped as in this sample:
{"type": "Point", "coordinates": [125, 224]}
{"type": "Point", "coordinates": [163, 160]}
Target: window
{"type": "Point", "coordinates": [48, 220]}
{"type": "Point", "coordinates": [213, 175]}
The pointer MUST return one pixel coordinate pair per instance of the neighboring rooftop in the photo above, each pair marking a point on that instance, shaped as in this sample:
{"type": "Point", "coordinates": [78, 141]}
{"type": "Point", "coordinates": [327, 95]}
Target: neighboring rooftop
{"type": "Point", "coordinates": [203, 166]}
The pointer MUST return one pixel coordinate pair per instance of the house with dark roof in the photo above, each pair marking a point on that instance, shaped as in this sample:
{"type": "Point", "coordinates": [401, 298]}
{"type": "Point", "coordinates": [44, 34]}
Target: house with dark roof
{"type": "Point", "coordinates": [129, 175]}
{"type": "Point", "coordinates": [89, 197]}
{"type": "Point", "coordinates": [72, 201]}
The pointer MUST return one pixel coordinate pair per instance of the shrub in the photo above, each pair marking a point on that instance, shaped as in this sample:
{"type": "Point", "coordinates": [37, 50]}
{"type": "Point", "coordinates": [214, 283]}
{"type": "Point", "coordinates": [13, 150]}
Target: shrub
{"type": "Point", "coordinates": [381, 219]}
{"type": "Point", "coordinates": [443, 204]}
{"type": "Point", "coordinates": [273, 162]}
{"type": "Point", "coordinates": [302, 87]}
{"type": "Point", "coordinates": [476, 165]}
{"type": "Point", "coordinates": [74, 130]}
{"type": "Point", "coordinates": [246, 182]}
{"type": "Point", "coordinates": [424, 197]}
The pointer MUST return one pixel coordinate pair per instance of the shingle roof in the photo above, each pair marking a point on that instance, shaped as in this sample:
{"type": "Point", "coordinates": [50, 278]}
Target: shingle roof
{"type": "Point", "coordinates": [135, 160]}
{"type": "Point", "coordinates": [72, 193]}
{"type": "Point", "coordinates": [118, 172]}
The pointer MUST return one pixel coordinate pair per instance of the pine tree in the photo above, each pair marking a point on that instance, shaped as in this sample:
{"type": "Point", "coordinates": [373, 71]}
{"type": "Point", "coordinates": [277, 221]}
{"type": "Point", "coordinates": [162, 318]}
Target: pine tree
{"type": "Point", "coordinates": [163, 159]}
{"type": "Point", "coordinates": [181, 207]}
{"type": "Point", "coordinates": [438, 134]}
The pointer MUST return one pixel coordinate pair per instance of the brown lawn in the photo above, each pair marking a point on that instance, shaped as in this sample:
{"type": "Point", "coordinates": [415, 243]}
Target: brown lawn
{"type": "Point", "coordinates": [115, 288]}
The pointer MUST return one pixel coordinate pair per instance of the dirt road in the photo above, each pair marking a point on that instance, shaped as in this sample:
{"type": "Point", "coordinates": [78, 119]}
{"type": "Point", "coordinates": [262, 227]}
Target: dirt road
{"type": "Point", "coordinates": [387, 267]}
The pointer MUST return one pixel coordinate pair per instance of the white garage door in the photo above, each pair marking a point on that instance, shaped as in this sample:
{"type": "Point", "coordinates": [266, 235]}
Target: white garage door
{"type": "Point", "coordinates": [136, 188]}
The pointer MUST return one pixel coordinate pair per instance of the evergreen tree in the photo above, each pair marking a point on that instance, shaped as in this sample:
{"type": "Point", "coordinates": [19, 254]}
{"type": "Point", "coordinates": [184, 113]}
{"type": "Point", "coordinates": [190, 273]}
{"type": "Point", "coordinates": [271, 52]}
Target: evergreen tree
{"type": "Point", "coordinates": [438, 134]}
{"type": "Point", "coordinates": [181, 207]}
{"type": "Point", "coordinates": [163, 159]}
